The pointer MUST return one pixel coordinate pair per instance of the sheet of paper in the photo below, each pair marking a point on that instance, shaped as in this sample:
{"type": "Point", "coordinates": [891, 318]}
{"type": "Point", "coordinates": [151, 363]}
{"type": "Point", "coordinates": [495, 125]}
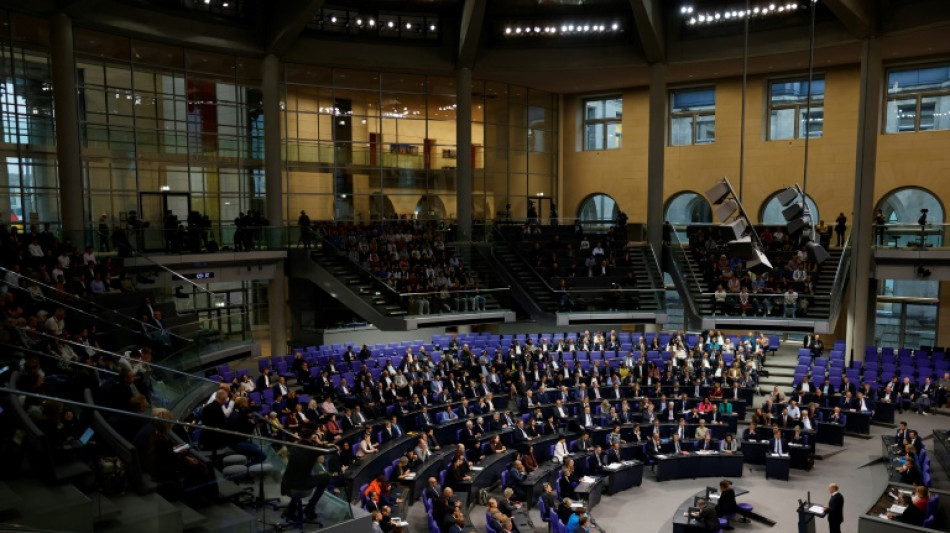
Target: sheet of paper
{"type": "Point", "coordinates": [817, 509]}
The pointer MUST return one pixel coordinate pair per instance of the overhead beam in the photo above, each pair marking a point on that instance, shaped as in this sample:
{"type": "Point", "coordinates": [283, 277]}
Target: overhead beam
{"type": "Point", "coordinates": [856, 15]}
{"type": "Point", "coordinates": [473, 18]}
{"type": "Point", "coordinates": [649, 19]}
{"type": "Point", "coordinates": [286, 24]}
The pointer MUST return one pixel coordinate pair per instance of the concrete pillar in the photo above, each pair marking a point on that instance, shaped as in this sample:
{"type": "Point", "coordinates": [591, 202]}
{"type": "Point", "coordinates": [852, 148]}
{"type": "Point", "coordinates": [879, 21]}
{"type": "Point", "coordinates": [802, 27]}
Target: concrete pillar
{"type": "Point", "coordinates": [463, 142]}
{"type": "Point", "coordinates": [277, 311]}
{"type": "Point", "coordinates": [656, 140]}
{"type": "Point", "coordinates": [273, 184]}
{"type": "Point", "coordinates": [860, 331]}
{"type": "Point", "coordinates": [943, 315]}
{"type": "Point", "coordinates": [68, 147]}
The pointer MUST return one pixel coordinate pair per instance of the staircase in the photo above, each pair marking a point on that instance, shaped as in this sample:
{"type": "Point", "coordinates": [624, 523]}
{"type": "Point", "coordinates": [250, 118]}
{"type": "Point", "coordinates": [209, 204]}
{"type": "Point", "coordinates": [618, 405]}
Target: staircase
{"type": "Point", "coordinates": [373, 300]}
{"type": "Point", "coordinates": [30, 504]}
{"type": "Point", "coordinates": [694, 286]}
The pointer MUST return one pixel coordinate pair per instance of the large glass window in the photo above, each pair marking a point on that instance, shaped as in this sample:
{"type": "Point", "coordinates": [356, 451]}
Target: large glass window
{"type": "Point", "coordinates": [693, 116]}
{"type": "Point", "coordinates": [28, 178]}
{"type": "Point", "coordinates": [789, 116]}
{"type": "Point", "coordinates": [600, 209]}
{"type": "Point", "coordinates": [367, 145]}
{"type": "Point", "coordinates": [602, 123]}
{"type": "Point", "coordinates": [157, 118]}
{"type": "Point", "coordinates": [918, 99]}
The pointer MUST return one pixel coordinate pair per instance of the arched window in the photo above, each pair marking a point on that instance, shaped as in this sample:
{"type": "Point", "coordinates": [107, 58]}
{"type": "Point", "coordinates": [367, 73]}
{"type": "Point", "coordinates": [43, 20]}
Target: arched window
{"type": "Point", "coordinates": [905, 206]}
{"type": "Point", "coordinates": [600, 208]}
{"type": "Point", "coordinates": [687, 208]}
{"type": "Point", "coordinates": [430, 208]}
{"type": "Point", "coordinates": [771, 212]}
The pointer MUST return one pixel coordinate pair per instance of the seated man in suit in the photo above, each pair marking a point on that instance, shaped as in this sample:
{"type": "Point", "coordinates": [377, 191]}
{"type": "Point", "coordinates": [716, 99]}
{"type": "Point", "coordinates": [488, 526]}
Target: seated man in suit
{"type": "Point", "coordinates": [615, 455]}
{"type": "Point", "coordinates": [677, 447]}
{"type": "Point", "coordinates": [707, 444]}
{"type": "Point", "coordinates": [912, 514]}
{"type": "Point", "coordinates": [654, 446]}
{"type": "Point", "coordinates": [516, 475]}
{"type": "Point", "coordinates": [597, 462]}
{"type": "Point", "coordinates": [750, 433]}
{"type": "Point", "coordinates": [448, 415]}
{"type": "Point", "coordinates": [583, 444]}
{"type": "Point", "coordinates": [706, 517]}
{"type": "Point", "coordinates": [776, 444]}
{"type": "Point", "coordinates": [549, 496]}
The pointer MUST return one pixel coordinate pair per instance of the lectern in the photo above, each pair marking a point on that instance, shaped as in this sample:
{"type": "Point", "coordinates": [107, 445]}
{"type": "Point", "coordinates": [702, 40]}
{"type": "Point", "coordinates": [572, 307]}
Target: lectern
{"type": "Point", "coordinates": [806, 516]}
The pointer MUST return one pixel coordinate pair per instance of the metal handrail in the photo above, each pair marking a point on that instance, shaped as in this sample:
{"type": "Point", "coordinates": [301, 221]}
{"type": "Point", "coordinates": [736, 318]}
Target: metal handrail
{"type": "Point", "coordinates": [120, 356]}
{"type": "Point", "coordinates": [97, 318]}
{"type": "Point", "coordinates": [149, 418]}
{"type": "Point", "coordinates": [689, 262]}
{"type": "Point", "coordinates": [841, 275]}
{"type": "Point", "coordinates": [323, 240]}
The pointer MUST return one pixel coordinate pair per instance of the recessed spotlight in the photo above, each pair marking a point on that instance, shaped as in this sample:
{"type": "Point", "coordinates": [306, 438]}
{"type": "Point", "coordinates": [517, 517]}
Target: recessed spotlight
{"type": "Point", "coordinates": [390, 24]}
{"type": "Point", "coordinates": [372, 23]}
{"type": "Point", "coordinates": [333, 20]}
{"type": "Point", "coordinates": [408, 25]}
{"type": "Point", "coordinates": [507, 31]}
{"type": "Point", "coordinates": [615, 26]}
{"type": "Point", "coordinates": [359, 22]}
{"type": "Point", "coordinates": [432, 27]}
{"type": "Point", "coordinates": [518, 30]}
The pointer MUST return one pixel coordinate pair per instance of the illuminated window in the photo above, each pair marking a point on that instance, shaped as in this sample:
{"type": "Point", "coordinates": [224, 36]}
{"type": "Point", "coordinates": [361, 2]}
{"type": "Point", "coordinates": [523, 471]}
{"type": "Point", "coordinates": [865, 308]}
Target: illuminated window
{"type": "Point", "coordinates": [602, 123]}
{"type": "Point", "coordinates": [788, 108]}
{"type": "Point", "coordinates": [693, 116]}
{"type": "Point", "coordinates": [918, 99]}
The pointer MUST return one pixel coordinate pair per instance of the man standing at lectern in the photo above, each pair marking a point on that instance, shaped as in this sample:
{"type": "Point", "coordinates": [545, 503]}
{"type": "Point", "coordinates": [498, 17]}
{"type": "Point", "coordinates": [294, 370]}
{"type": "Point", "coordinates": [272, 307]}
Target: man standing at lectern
{"type": "Point", "coordinates": [835, 509]}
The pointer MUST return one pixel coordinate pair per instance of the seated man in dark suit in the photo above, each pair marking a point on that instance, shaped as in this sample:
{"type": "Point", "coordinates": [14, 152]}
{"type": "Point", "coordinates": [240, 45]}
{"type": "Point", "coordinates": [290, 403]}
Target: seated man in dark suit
{"type": "Point", "coordinates": [597, 462]}
{"type": "Point", "coordinates": [706, 516]}
{"type": "Point", "coordinates": [583, 444]}
{"type": "Point", "coordinates": [777, 444]}
{"type": "Point", "coordinates": [912, 514]}
{"type": "Point", "coordinates": [654, 446]}
{"type": "Point", "coordinates": [516, 475]}
{"type": "Point", "coordinates": [750, 433]}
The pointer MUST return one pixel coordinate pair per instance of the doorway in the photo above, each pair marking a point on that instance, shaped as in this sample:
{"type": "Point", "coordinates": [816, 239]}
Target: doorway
{"type": "Point", "coordinates": [153, 206]}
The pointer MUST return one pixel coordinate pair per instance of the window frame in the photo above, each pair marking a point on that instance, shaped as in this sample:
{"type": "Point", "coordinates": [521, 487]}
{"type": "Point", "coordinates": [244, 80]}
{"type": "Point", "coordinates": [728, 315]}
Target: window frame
{"type": "Point", "coordinates": [798, 107]}
{"type": "Point", "coordinates": [605, 122]}
{"type": "Point", "coordinates": [694, 116]}
{"type": "Point", "coordinates": [916, 96]}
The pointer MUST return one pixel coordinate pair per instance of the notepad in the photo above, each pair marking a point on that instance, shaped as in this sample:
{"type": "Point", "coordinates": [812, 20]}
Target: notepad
{"type": "Point", "coordinates": [410, 475]}
{"type": "Point", "coordinates": [897, 509]}
{"type": "Point", "coordinates": [478, 468]}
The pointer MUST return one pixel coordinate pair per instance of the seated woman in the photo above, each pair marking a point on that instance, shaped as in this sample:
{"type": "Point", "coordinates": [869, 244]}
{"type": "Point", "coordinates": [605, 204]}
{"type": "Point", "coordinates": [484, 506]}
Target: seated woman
{"type": "Point", "coordinates": [706, 406]}
{"type": "Point", "coordinates": [528, 460]}
{"type": "Point", "coordinates": [495, 445]}
{"type": "Point", "coordinates": [729, 444]}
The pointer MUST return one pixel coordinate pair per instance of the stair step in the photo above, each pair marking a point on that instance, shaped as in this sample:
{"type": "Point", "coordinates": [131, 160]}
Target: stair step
{"type": "Point", "coordinates": [103, 509]}
{"type": "Point", "coordinates": [9, 500]}
{"type": "Point", "coordinates": [227, 519]}
{"type": "Point", "coordinates": [57, 508]}
{"type": "Point", "coordinates": [190, 518]}
{"type": "Point", "coordinates": [144, 514]}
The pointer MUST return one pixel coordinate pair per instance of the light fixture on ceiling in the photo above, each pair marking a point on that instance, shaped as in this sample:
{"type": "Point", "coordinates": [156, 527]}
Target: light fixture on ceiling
{"type": "Point", "coordinates": [735, 14]}
{"type": "Point", "coordinates": [565, 28]}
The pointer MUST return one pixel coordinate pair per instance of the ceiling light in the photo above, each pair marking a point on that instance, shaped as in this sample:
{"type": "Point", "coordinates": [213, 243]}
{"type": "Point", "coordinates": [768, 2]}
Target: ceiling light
{"type": "Point", "coordinates": [333, 20]}
{"type": "Point", "coordinates": [224, 4]}
{"type": "Point", "coordinates": [359, 22]}
{"type": "Point", "coordinates": [372, 23]}
{"type": "Point", "coordinates": [408, 25]}
{"type": "Point", "coordinates": [432, 27]}
{"type": "Point", "coordinates": [207, 2]}
{"type": "Point", "coordinates": [390, 24]}
{"type": "Point", "coordinates": [517, 30]}
{"type": "Point", "coordinates": [615, 27]}
{"type": "Point", "coordinates": [507, 31]}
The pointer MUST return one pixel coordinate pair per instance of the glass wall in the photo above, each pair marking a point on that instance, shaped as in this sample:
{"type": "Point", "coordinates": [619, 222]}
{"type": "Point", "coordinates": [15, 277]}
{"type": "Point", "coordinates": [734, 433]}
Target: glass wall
{"type": "Point", "coordinates": [28, 175]}
{"type": "Point", "coordinates": [365, 145]}
{"type": "Point", "coordinates": [157, 120]}
{"type": "Point", "coordinates": [906, 315]}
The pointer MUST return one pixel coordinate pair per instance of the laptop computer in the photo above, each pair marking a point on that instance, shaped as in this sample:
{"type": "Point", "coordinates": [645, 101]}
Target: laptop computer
{"type": "Point", "coordinates": [86, 436]}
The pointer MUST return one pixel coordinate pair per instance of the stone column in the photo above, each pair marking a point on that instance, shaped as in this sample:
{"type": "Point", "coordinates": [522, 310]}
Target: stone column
{"type": "Point", "coordinates": [68, 145]}
{"type": "Point", "coordinates": [656, 139]}
{"type": "Point", "coordinates": [463, 142]}
{"type": "Point", "coordinates": [273, 178]}
{"type": "Point", "coordinates": [861, 307]}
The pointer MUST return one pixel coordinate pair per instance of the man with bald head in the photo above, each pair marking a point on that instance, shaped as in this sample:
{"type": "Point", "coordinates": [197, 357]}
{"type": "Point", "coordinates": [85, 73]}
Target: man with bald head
{"type": "Point", "coordinates": [835, 509]}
